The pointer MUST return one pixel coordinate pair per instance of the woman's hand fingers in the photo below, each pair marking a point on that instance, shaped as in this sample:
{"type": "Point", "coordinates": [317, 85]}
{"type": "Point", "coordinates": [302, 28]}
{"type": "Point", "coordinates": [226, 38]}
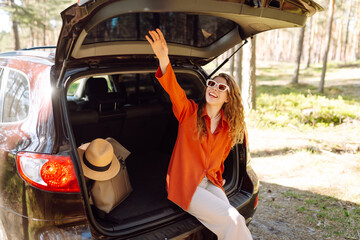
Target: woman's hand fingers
{"type": "Point", "coordinates": [161, 36]}
{"type": "Point", "coordinates": [152, 39]}
{"type": "Point", "coordinates": [149, 40]}
{"type": "Point", "coordinates": [159, 46]}
{"type": "Point", "coordinates": [154, 35]}
{"type": "Point", "coordinates": [158, 43]}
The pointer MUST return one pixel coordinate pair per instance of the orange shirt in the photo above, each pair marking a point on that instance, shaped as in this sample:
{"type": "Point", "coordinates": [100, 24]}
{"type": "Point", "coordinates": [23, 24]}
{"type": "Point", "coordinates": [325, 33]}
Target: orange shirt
{"type": "Point", "coordinates": [192, 159]}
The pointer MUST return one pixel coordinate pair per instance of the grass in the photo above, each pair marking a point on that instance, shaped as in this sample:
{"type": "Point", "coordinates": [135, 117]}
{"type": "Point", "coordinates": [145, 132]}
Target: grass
{"type": "Point", "coordinates": [336, 218]}
{"type": "Point", "coordinates": [331, 215]}
{"type": "Point", "coordinates": [280, 104]}
{"type": "Point", "coordinates": [300, 109]}
{"type": "Point", "coordinates": [292, 194]}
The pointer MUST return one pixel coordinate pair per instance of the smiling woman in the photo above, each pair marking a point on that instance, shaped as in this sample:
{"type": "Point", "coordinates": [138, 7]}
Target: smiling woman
{"type": "Point", "coordinates": [207, 132]}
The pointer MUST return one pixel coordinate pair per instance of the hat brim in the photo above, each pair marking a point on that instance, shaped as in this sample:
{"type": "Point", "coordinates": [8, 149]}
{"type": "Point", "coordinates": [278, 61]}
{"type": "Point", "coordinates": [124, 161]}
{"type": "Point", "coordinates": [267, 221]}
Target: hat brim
{"type": "Point", "coordinates": [98, 175]}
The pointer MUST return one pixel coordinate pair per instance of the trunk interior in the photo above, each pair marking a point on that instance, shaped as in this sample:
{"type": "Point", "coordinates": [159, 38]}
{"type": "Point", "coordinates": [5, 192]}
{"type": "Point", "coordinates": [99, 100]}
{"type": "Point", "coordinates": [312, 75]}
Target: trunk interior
{"type": "Point", "coordinates": [136, 112]}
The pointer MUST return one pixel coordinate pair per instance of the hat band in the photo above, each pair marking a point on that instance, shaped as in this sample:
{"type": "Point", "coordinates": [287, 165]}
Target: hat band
{"type": "Point", "coordinates": [95, 168]}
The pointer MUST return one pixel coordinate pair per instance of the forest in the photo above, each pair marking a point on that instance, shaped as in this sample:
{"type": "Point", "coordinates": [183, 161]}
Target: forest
{"type": "Point", "coordinates": [301, 91]}
{"type": "Point", "coordinates": [332, 35]}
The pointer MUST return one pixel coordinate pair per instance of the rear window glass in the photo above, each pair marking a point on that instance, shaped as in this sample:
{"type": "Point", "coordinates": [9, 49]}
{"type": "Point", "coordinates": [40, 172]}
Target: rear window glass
{"type": "Point", "coordinates": [139, 88]}
{"type": "Point", "coordinates": [181, 28]}
{"type": "Point", "coordinates": [76, 89]}
{"type": "Point", "coordinates": [144, 88]}
{"type": "Point", "coordinates": [133, 89]}
{"type": "Point", "coordinates": [193, 89]}
{"type": "Point", "coordinates": [14, 97]}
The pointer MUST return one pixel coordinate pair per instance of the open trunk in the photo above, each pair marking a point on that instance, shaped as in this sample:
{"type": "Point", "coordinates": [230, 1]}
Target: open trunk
{"type": "Point", "coordinates": [136, 111]}
{"type": "Point", "coordinates": [106, 38]}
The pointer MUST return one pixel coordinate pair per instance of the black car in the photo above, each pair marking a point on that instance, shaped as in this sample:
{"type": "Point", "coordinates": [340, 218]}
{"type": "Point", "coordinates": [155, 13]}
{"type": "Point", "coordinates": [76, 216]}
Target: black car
{"type": "Point", "coordinates": [101, 83]}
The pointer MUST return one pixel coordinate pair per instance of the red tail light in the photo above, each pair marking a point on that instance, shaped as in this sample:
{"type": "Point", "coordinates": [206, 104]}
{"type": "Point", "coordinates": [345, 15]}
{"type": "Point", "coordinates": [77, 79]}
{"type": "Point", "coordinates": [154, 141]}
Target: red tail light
{"type": "Point", "coordinates": [256, 201]}
{"type": "Point", "coordinates": [48, 172]}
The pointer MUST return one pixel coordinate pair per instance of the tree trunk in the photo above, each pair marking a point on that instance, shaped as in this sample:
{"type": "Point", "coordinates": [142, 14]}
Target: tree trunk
{"type": "Point", "coordinates": [15, 29]}
{"type": "Point", "coordinates": [344, 51]}
{"type": "Point", "coordinates": [16, 35]}
{"type": "Point", "coordinates": [238, 67]}
{"type": "Point", "coordinates": [357, 47]}
{"type": "Point", "coordinates": [310, 42]}
{"type": "Point", "coordinates": [232, 62]}
{"type": "Point", "coordinates": [44, 35]}
{"type": "Point", "coordinates": [44, 26]}
{"type": "Point", "coordinates": [327, 44]}
{"type": "Point", "coordinates": [248, 90]}
{"type": "Point", "coordinates": [295, 77]}
{"type": "Point", "coordinates": [336, 53]}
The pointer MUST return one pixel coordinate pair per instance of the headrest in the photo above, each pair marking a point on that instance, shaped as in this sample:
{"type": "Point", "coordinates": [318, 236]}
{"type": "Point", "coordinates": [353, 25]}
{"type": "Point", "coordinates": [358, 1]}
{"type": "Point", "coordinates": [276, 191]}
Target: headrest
{"type": "Point", "coordinates": [96, 87]}
{"type": "Point", "coordinates": [72, 106]}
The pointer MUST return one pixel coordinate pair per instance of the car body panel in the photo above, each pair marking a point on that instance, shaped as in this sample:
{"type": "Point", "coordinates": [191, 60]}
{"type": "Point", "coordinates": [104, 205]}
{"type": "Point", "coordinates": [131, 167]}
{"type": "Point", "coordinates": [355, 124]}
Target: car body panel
{"type": "Point", "coordinates": [27, 206]}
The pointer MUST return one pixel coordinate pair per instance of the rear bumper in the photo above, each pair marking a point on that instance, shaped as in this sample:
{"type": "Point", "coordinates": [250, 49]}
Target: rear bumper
{"type": "Point", "coordinates": [181, 227]}
{"type": "Point", "coordinates": [15, 226]}
{"type": "Point", "coordinates": [187, 227]}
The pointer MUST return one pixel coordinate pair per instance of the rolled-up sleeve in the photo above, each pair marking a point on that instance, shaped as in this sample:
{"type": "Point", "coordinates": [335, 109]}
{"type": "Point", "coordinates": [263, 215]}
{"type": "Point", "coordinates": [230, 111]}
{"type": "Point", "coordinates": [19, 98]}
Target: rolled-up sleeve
{"type": "Point", "coordinates": [182, 106]}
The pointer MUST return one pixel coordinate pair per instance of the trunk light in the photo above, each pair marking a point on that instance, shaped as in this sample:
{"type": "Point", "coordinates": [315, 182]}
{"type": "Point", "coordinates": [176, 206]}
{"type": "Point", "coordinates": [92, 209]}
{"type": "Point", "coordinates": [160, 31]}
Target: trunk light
{"type": "Point", "coordinates": [246, 137]}
{"type": "Point", "coordinates": [48, 172]}
{"type": "Point", "coordinates": [256, 201]}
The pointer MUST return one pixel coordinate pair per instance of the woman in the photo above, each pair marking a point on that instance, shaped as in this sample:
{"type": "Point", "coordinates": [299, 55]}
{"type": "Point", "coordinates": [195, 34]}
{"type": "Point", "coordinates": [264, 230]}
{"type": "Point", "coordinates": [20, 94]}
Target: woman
{"type": "Point", "coordinates": [206, 133]}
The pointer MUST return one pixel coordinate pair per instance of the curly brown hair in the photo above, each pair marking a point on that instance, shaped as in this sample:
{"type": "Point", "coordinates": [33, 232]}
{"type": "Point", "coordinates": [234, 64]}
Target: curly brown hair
{"type": "Point", "coordinates": [233, 111]}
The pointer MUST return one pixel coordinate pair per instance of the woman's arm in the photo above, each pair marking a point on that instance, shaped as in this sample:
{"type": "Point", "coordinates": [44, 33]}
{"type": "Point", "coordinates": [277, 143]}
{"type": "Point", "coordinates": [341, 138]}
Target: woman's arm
{"type": "Point", "coordinates": [160, 48]}
{"type": "Point", "coordinates": [182, 107]}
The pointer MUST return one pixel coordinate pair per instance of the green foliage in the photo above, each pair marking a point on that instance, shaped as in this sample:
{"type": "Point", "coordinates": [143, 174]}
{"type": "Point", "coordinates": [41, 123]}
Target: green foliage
{"type": "Point", "coordinates": [337, 218]}
{"type": "Point", "coordinates": [301, 209]}
{"type": "Point", "coordinates": [34, 18]}
{"type": "Point", "coordinates": [300, 105]}
{"type": "Point", "coordinates": [303, 109]}
{"type": "Point", "coordinates": [292, 194]}
{"type": "Point", "coordinates": [72, 89]}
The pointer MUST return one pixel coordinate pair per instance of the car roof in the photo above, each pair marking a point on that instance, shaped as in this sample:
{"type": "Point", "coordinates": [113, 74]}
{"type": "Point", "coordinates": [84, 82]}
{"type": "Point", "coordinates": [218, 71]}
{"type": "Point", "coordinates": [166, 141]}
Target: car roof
{"type": "Point", "coordinates": [33, 55]}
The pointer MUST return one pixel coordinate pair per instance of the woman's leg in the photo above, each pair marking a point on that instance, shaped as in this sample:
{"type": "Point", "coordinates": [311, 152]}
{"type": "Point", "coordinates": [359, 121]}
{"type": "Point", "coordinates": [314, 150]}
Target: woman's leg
{"type": "Point", "coordinates": [217, 191]}
{"type": "Point", "coordinates": [218, 215]}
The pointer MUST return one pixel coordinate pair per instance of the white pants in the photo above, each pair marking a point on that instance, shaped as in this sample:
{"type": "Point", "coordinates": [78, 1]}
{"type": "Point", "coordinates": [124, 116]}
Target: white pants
{"type": "Point", "coordinates": [212, 208]}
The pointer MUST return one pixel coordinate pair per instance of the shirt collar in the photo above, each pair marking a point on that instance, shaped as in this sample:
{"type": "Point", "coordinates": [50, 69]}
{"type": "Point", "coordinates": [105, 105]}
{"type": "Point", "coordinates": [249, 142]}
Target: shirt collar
{"type": "Point", "coordinates": [204, 113]}
{"type": "Point", "coordinates": [223, 119]}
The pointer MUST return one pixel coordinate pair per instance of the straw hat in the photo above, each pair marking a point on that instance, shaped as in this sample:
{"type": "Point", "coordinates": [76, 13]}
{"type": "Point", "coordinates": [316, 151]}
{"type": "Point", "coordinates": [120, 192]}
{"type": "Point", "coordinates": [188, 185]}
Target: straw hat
{"type": "Point", "coordinates": [98, 160]}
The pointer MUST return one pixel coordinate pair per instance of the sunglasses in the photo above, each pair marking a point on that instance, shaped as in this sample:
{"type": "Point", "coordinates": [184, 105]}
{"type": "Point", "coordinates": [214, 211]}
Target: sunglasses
{"type": "Point", "coordinates": [221, 86]}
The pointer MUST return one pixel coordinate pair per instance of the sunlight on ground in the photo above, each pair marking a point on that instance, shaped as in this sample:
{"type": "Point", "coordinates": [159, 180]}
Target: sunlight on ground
{"type": "Point", "coordinates": [322, 174]}
{"type": "Point", "coordinates": [307, 161]}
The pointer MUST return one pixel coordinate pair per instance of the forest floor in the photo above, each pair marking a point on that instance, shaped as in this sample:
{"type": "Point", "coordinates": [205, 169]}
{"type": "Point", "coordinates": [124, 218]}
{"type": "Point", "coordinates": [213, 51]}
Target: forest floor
{"type": "Point", "coordinates": [309, 183]}
{"type": "Point", "coordinates": [309, 177]}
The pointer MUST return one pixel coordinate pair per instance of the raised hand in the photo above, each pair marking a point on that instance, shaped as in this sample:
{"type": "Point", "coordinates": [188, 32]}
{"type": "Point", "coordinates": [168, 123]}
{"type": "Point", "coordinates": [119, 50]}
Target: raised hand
{"type": "Point", "coordinates": [159, 46]}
